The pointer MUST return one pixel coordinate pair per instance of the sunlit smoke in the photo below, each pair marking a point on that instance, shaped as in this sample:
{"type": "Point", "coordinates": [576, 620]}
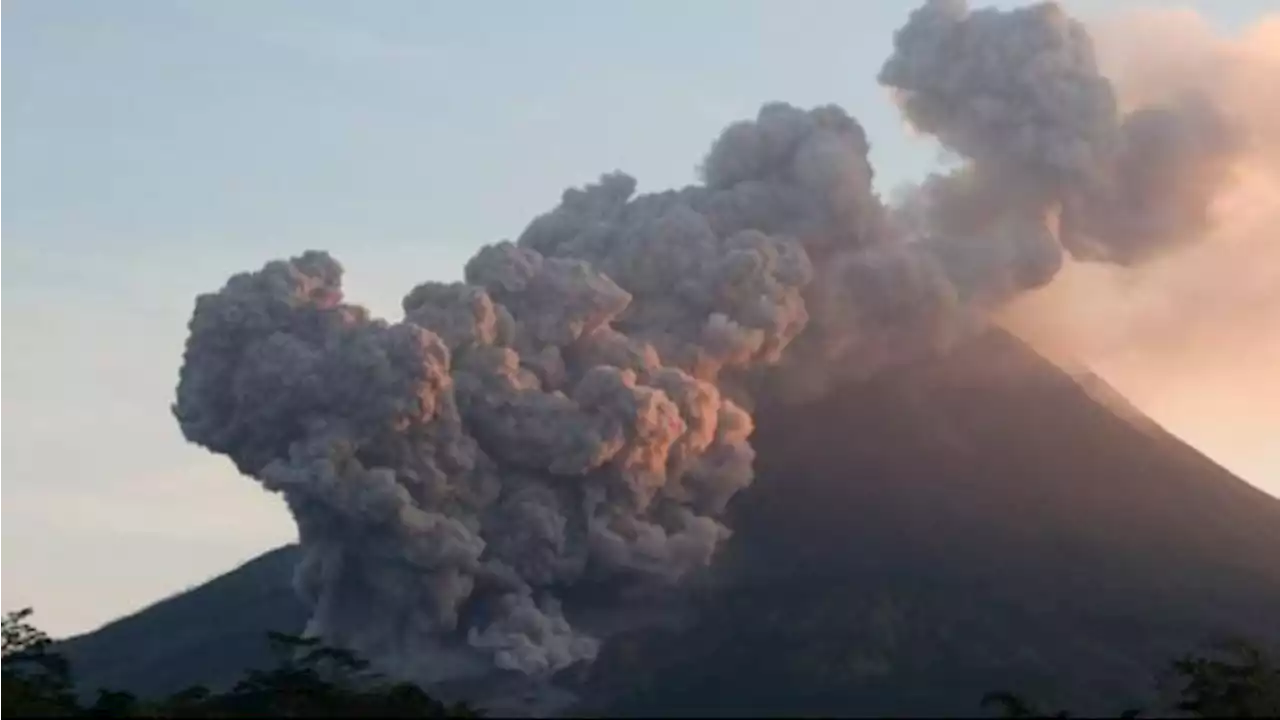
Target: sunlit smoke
{"type": "Point", "coordinates": [1192, 336]}
{"type": "Point", "coordinates": [577, 410]}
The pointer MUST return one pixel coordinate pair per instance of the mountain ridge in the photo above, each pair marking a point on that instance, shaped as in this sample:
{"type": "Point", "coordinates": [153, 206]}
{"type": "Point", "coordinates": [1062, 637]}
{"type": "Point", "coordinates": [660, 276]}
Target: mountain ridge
{"type": "Point", "coordinates": [970, 522]}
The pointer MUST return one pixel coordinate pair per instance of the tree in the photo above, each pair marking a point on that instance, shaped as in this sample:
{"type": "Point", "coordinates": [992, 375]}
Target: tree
{"type": "Point", "coordinates": [309, 680]}
{"type": "Point", "coordinates": [1235, 679]}
{"type": "Point", "coordinates": [1012, 705]}
{"type": "Point", "coordinates": [36, 682]}
{"type": "Point", "coordinates": [312, 680]}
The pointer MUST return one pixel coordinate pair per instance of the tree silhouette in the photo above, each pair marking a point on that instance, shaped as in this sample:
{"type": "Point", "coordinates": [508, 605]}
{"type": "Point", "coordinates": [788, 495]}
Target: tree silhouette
{"type": "Point", "coordinates": [312, 680]}
{"type": "Point", "coordinates": [308, 680]}
{"type": "Point", "coordinates": [1016, 706]}
{"type": "Point", "coordinates": [36, 682]}
{"type": "Point", "coordinates": [1234, 679]}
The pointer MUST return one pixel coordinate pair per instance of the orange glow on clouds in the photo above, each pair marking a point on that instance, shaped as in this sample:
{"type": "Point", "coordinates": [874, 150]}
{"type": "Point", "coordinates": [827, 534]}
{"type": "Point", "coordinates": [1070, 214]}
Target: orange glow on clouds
{"type": "Point", "coordinates": [1192, 339]}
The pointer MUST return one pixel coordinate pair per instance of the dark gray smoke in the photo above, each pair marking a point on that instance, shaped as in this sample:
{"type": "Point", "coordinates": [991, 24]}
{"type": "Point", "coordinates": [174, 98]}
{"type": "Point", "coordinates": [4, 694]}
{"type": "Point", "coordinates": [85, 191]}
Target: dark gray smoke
{"type": "Point", "coordinates": [574, 410]}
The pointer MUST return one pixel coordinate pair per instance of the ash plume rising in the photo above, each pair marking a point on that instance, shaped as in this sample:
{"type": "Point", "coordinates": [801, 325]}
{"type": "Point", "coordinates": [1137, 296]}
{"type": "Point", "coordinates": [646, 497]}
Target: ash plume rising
{"type": "Point", "coordinates": [577, 409]}
{"type": "Point", "coordinates": [1020, 95]}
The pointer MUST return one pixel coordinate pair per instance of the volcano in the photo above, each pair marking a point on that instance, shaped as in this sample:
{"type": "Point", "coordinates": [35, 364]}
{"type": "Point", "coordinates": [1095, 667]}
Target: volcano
{"type": "Point", "coordinates": [974, 522]}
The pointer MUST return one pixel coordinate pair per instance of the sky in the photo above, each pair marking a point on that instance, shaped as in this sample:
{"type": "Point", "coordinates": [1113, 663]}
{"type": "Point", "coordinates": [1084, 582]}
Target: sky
{"type": "Point", "coordinates": [157, 147]}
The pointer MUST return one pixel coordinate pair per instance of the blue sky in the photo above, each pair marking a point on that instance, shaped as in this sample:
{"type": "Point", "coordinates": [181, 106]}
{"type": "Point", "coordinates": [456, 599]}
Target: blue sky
{"type": "Point", "coordinates": [157, 147]}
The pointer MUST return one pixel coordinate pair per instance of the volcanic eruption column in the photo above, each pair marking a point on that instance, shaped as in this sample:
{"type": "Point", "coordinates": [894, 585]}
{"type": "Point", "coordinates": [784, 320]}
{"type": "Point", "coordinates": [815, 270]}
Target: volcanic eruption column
{"type": "Point", "coordinates": [575, 409]}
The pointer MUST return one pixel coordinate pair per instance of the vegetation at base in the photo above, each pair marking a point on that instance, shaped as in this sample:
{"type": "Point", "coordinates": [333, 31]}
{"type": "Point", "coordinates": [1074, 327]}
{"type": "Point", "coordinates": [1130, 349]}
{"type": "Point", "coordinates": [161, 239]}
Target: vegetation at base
{"type": "Point", "coordinates": [309, 680]}
{"type": "Point", "coordinates": [1233, 679]}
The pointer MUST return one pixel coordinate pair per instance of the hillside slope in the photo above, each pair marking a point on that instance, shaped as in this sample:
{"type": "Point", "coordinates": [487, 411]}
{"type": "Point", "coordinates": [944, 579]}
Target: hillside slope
{"type": "Point", "coordinates": [971, 523]}
{"type": "Point", "coordinates": [953, 528]}
{"type": "Point", "coordinates": [207, 635]}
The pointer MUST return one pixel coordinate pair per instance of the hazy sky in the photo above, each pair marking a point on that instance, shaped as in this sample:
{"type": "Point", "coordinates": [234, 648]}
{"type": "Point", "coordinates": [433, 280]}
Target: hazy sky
{"type": "Point", "coordinates": [156, 147]}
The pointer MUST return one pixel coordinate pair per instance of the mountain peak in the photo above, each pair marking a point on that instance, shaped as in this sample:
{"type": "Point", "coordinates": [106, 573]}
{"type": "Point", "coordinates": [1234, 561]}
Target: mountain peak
{"type": "Point", "coordinates": [969, 522]}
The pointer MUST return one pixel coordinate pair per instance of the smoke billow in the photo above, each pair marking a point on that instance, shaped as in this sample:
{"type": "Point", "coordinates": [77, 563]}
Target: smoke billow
{"type": "Point", "coordinates": [578, 408]}
{"type": "Point", "coordinates": [1190, 336]}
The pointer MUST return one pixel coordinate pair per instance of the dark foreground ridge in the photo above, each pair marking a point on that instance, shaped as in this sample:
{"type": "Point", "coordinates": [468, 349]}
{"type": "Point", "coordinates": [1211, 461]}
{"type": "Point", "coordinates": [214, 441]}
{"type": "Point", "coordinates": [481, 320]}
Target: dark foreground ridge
{"type": "Point", "coordinates": [971, 523]}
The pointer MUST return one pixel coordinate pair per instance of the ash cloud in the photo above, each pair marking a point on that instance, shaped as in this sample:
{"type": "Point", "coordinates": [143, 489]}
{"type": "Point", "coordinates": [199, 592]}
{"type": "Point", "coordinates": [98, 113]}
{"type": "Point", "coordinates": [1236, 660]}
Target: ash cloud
{"type": "Point", "coordinates": [1019, 93]}
{"type": "Point", "coordinates": [1188, 336]}
{"type": "Point", "coordinates": [577, 409]}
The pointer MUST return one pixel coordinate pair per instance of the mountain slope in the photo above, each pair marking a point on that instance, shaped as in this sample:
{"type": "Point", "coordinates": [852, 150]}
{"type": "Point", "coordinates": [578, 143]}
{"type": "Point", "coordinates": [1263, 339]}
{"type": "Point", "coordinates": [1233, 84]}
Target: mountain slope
{"type": "Point", "coordinates": [954, 528]}
{"type": "Point", "coordinates": [970, 523]}
{"type": "Point", "coordinates": [207, 635]}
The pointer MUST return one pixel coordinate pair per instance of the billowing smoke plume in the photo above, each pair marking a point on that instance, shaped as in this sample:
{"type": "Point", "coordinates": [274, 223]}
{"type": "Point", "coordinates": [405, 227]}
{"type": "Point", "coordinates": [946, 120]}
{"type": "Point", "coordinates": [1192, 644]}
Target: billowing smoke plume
{"type": "Point", "coordinates": [1019, 94]}
{"type": "Point", "coordinates": [576, 409]}
{"type": "Point", "coordinates": [1189, 337]}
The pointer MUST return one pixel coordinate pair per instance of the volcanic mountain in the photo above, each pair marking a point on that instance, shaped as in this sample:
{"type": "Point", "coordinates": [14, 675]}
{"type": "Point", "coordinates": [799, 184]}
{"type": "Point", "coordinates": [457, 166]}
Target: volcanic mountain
{"type": "Point", "coordinates": [975, 522]}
